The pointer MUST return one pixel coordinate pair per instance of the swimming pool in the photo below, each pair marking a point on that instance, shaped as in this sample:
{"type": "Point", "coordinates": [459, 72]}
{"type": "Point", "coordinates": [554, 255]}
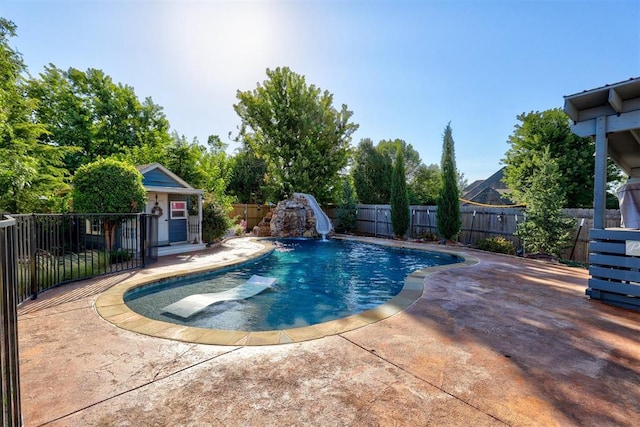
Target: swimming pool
{"type": "Point", "coordinates": [316, 282]}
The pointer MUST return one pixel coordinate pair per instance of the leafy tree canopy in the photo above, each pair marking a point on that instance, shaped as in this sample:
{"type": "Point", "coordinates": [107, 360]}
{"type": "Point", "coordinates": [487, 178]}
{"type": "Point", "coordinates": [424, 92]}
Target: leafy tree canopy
{"type": "Point", "coordinates": [184, 159]}
{"type": "Point", "coordinates": [295, 129]}
{"type": "Point", "coordinates": [246, 181]}
{"type": "Point", "coordinates": [372, 168]}
{"type": "Point", "coordinates": [86, 109]}
{"type": "Point", "coordinates": [31, 172]}
{"type": "Point", "coordinates": [550, 130]}
{"type": "Point", "coordinates": [108, 186]}
{"type": "Point", "coordinates": [426, 185]}
{"type": "Point", "coordinates": [371, 173]}
{"type": "Point", "coordinates": [411, 158]}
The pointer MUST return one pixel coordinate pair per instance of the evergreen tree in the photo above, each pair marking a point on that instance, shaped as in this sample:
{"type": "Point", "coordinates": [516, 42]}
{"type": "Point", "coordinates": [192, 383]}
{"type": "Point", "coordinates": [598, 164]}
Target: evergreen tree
{"type": "Point", "coordinates": [399, 197]}
{"type": "Point", "coordinates": [448, 212]}
{"type": "Point", "coordinates": [546, 229]}
{"type": "Point", "coordinates": [348, 208]}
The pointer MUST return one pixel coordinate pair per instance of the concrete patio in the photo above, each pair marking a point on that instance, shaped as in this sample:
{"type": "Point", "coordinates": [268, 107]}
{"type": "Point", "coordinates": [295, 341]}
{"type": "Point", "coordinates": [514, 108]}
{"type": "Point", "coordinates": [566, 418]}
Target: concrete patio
{"type": "Point", "coordinates": [507, 341]}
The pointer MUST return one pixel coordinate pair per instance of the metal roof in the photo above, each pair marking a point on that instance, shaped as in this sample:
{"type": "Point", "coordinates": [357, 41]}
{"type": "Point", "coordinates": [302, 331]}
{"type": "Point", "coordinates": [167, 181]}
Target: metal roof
{"type": "Point", "coordinates": [619, 104]}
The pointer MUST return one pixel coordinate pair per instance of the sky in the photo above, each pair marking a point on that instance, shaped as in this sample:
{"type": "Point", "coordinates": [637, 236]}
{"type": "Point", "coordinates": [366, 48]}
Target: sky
{"type": "Point", "coordinates": [405, 68]}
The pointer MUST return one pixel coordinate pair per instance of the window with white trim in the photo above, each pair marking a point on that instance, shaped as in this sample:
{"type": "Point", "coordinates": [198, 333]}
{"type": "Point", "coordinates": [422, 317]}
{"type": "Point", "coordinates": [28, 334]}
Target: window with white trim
{"type": "Point", "coordinates": [178, 210]}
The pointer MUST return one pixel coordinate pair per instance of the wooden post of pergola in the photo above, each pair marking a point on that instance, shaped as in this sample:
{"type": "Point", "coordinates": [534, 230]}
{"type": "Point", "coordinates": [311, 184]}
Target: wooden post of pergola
{"type": "Point", "coordinates": [611, 114]}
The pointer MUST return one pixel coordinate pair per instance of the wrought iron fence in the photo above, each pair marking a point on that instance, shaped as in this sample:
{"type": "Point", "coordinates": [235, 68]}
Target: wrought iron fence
{"type": "Point", "coordinates": [53, 249]}
{"type": "Point", "coordinates": [10, 373]}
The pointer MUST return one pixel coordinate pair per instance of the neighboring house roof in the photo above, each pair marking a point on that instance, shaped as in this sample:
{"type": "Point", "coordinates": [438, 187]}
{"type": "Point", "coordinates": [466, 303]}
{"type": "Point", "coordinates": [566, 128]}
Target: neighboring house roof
{"type": "Point", "coordinates": [156, 177]}
{"type": "Point", "coordinates": [491, 191]}
{"type": "Point", "coordinates": [473, 185]}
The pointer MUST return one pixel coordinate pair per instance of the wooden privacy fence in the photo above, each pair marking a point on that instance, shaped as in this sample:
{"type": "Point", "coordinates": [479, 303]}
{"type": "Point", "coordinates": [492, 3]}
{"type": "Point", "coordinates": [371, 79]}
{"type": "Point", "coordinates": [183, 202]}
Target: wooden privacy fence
{"type": "Point", "coordinates": [252, 213]}
{"type": "Point", "coordinates": [478, 223]}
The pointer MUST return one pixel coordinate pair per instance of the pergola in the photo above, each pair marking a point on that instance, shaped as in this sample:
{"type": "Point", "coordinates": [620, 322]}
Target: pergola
{"type": "Point", "coordinates": [611, 113]}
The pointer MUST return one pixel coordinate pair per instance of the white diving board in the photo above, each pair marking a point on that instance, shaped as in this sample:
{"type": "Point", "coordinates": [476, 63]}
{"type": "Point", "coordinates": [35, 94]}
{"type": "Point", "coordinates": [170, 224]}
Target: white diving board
{"type": "Point", "coordinates": [187, 307]}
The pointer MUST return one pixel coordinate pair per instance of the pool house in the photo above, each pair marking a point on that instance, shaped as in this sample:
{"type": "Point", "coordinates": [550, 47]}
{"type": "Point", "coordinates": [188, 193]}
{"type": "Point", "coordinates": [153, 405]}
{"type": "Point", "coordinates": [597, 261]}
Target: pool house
{"type": "Point", "coordinates": [178, 208]}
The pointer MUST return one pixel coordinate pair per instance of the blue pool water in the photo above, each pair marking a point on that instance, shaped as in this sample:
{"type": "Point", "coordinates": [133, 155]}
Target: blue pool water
{"type": "Point", "coordinates": [316, 282]}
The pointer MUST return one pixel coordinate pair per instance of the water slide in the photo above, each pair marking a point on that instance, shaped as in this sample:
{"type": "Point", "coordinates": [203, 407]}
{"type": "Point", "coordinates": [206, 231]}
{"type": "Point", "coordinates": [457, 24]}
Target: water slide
{"type": "Point", "coordinates": [323, 223]}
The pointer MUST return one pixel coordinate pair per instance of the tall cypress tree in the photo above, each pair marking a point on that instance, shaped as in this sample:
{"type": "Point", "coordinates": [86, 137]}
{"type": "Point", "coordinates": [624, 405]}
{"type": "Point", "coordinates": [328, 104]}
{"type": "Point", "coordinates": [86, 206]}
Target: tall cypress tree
{"type": "Point", "coordinates": [448, 212]}
{"type": "Point", "coordinates": [399, 196]}
{"type": "Point", "coordinates": [347, 211]}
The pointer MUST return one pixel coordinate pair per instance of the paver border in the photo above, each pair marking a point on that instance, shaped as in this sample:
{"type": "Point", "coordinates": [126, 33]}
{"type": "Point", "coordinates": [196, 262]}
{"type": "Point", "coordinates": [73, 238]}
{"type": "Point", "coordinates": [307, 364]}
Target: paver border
{"type": "Point", "coordinates": [111, 307]}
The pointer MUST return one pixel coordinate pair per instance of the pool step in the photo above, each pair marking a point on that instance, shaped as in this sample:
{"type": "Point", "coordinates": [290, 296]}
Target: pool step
{"type": "Point", "coordinates": [187, 307]}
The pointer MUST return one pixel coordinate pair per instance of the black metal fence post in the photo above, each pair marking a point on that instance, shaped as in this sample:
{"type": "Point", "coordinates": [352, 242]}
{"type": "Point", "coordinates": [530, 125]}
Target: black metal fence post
{"type": "Point", "coordinates": [142, 226]}
{"type": "Point", "coordinates": [10, 414]}
{"type": "Point", "coordinates": [33, 256]}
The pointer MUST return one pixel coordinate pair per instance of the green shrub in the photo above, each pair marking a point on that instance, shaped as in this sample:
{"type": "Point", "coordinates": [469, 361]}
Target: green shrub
{"type": "Point", "coordinates": [426, 236]}
{"type": "Point", "coordinates": [238, 230]}
{"type": "Point", "coordinates": [120, 255]}
{"type": "Point", "coordinates": [497, 244]}
{"type": "Point", "coordinates": [215, 220]}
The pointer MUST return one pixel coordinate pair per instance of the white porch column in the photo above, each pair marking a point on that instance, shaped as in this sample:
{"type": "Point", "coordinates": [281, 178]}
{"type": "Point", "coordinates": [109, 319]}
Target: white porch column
{"type": "Point", "coordinates": [200, 196]}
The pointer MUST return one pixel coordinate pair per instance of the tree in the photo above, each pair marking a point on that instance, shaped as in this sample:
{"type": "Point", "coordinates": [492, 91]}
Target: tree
{"type": "Point", "coordinates": [425, 187]}
{"type": "Point", "coordinates": [246, 181]}
{"type": "Point", "coordinates": [108, 186]}
{"type": "Point", "coordinates": [448, 220]}
{"type": "Point", "coordinates": [550, 129]}
{"type": "Point", "coordinates": [412, 161]}
{"type": "Point", "coordinates": [184, 158]}
{"type": "Point", "coordinates": [31, 172]}
{"type": "Point", "coordinates": [215, 166]}
{"type": "Point", "coordinates": [295, 129]}
{"type": "Point", "coordinates": [86, 109]}
{"type": "Point", "coordinates": [371, 174]}
{"type": "Point", "coordinates": [348, 208]}
{"type": "Point", "coordinates": [399, 197]}
{"type": "Point", "coordinates": [546, 229]}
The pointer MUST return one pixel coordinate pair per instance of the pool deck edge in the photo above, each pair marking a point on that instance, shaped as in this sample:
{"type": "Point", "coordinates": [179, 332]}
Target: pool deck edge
{"type": "Point", "coordinates": [111, 307]}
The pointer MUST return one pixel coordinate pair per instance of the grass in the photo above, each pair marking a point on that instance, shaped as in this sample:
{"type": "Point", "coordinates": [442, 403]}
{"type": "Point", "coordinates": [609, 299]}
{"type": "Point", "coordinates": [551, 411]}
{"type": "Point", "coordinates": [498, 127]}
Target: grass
{"type": "Point", "coordinates": [52, 269]}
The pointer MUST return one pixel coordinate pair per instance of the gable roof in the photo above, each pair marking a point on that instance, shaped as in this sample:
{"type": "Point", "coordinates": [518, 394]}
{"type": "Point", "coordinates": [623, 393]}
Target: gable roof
{"type": "Point", "coordinates": [156, 177]}
{"type": "Point", "coordinates": [473, 185]}
{"type": "Point", "coordinates": [491, 191]}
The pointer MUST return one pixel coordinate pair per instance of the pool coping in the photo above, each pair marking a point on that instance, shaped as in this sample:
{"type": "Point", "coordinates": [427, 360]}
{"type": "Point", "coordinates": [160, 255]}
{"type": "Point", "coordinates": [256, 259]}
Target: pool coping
{"type": "Point", "coordinates": [111, 307]}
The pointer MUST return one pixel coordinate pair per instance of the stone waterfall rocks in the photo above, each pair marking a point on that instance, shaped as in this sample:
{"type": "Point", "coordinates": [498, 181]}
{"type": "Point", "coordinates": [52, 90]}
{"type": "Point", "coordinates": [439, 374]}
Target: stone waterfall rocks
{"type": "Point", "coordinates": [293, 218]}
